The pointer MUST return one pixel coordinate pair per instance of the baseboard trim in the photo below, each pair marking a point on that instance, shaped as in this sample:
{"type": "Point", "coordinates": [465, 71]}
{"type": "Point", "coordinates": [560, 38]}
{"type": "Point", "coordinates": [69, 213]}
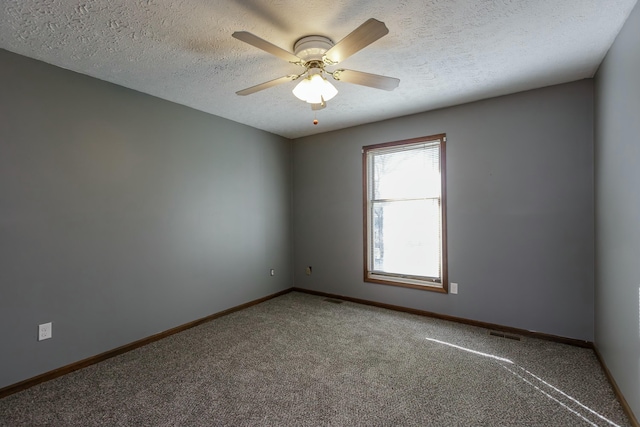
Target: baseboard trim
{"type": "Point", "coordinates": [23, 385]}
{"type": "Point", "coordinates": [625, 405]}
{"type": "Point", "coordinates": [492, 326]}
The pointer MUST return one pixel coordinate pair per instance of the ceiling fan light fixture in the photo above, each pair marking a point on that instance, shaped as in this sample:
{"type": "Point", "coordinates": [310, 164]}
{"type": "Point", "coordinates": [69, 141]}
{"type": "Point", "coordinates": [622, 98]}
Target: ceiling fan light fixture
{"type": "Point", "coordinates": [314, 89]}
{"type": "Point", "coordinates": [315, 52]}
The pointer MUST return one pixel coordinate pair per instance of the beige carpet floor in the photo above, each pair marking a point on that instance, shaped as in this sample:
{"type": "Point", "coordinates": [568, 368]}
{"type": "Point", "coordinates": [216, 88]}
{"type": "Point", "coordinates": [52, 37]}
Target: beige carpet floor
{"type": "Point", "coordinates": [301, 360]}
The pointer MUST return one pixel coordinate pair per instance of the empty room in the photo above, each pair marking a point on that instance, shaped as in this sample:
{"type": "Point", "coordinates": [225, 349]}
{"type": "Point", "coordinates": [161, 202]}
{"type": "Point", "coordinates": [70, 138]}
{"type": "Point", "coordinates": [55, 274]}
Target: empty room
{"type": "Point", "coordinates": [309, 213]}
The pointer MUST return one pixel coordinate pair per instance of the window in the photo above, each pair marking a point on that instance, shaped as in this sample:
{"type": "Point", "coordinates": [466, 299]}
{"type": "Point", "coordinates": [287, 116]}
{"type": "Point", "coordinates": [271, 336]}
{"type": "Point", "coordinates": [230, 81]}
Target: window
{"type": "Point", "coordinates": [405, 213]}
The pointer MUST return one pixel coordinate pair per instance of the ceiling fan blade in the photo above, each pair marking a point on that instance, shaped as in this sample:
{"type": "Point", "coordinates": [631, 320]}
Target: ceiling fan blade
{"type": "Point", "coordinates": [256, 41]}
{"type": "Point", "coordinates": [266, 85]}
{"type": "Point", "coordinates": [358, 39]}
{"type": "Point", "coordinates": [366, 79]}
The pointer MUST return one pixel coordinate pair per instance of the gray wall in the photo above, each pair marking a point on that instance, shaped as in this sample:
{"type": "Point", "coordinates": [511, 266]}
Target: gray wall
{"type": "Point", "coordinates": [122, 215]}
{"type": "Point", "coordinates": [617, 142]}
{"type": "Point", "coordinates": [520, 210]}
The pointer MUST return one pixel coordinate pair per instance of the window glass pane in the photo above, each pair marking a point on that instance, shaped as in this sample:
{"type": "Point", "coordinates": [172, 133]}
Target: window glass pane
{"type": "Point", "coordinates": [406, 237]}
{"type": "Point", "coordinates": [410, 174]}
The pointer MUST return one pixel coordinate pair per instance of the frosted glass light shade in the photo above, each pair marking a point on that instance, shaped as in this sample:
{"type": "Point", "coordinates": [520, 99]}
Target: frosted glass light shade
{"type": "Point", "coordinates": [314, 89]}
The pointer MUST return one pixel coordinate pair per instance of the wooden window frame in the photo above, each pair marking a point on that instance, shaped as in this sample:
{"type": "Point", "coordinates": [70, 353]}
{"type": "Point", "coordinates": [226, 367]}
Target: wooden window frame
{"type": "Point", "coordinates": [398, 280]}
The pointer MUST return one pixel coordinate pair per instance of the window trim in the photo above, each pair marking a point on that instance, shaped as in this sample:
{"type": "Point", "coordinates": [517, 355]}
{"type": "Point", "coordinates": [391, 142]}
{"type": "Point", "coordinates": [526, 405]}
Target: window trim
{"type": "Point", "coordinates": [397, 280]}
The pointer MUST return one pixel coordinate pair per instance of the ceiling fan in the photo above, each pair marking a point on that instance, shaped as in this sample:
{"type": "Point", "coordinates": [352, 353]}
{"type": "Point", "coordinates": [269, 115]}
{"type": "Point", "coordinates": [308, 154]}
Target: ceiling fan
{"type": "Point", "coordinates": [314, 53]}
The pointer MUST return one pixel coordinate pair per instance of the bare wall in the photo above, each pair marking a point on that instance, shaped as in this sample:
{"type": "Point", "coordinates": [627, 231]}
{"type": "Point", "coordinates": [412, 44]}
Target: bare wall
{"type": "Point", "coordinates": [122, 215]}
{"type": "Point", "coordinates": [617, 142]}
{"type": "Point", "coordinates": [520, 210]}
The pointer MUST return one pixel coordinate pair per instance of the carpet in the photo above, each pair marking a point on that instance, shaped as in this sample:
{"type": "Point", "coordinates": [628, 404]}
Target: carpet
{"type": "Point", "coordinates": [303, 360]}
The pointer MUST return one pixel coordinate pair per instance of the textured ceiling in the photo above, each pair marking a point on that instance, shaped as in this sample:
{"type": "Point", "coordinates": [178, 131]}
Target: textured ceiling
{"type": "Point", "coordinates": [445, 52]}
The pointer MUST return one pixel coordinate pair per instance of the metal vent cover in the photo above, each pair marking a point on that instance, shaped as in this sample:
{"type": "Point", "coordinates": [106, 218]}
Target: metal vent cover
{"type": "Point", "coordinates": [504, 335]}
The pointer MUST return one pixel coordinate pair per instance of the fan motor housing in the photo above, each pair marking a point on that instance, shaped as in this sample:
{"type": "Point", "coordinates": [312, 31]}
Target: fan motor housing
{"type": "Point", "coordinates": [312, 48]}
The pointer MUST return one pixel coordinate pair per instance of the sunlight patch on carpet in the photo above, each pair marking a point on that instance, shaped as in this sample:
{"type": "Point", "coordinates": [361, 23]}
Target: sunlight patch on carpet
{"type": "Point", "coordinates": [541, 381]}
{"type": "Point", "coordinates": [479, 353]}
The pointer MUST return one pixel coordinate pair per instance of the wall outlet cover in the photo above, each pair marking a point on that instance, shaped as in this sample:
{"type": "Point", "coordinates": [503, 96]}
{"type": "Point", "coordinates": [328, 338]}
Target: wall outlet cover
{"type": "Point", "coordinates": [45, 331]}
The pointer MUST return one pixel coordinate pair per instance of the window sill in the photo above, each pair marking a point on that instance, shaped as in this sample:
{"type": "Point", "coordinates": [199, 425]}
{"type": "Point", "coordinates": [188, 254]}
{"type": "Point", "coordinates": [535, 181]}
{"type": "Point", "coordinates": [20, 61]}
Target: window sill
{"type": "Point", "coordinates": [405, 282]}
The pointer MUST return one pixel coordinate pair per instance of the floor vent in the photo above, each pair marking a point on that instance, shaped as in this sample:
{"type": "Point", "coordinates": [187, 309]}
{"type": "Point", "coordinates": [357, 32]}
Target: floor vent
{"type": "Point", "coordinates": [503, 335]}
{"type": "Point", "coordinates": [335, 301]}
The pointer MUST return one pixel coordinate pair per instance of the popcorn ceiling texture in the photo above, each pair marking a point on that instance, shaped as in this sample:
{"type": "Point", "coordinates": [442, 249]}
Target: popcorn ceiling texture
{"type": "Point", "coordinates": [445, 52]}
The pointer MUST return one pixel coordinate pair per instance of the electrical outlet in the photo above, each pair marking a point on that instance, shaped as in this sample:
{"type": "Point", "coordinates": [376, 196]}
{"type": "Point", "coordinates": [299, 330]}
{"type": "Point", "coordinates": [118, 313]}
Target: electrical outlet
{"type": "Point", "coordinates": [44, 331]}
{"type": "Point", "coordinates": [308, 271]}
{"type": "Point", "coordinates": [272, 272]}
